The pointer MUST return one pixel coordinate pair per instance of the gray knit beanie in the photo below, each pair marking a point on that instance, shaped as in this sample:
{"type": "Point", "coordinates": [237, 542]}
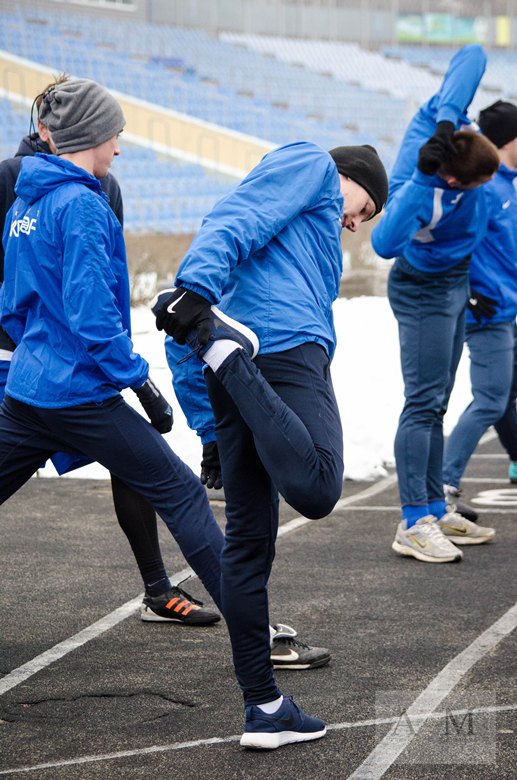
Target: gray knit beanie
{"type": "Point", "coordinates": [80, 114]}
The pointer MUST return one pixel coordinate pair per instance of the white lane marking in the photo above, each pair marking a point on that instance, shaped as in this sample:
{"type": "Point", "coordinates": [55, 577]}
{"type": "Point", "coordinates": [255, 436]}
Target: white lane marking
{"type": "Point", "coordinates": [395, 742]}
{"type": "Point", "coordinates": [43, 660]}
{"type": "Point", "coordinates": [490, 456]}
{"type": "Point", "coordinates": [359, 724]}
{"type": "Point", "coordinates": [21, 673]}
{"type": "Point", "coordinates": [499, 497]}
{"type": "Point", "coordinates": [496, 481]}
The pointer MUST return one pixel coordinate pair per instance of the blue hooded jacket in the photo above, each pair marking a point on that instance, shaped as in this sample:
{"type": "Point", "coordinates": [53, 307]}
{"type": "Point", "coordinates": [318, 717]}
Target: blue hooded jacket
{"type": "Point", "coordinates": [269, 253]}
{"type": "Point", "coordinates": [190, 390]}
{"type": "Point", "coordinates": [433, 225]}
{"type": "Point", "coordinates": [65, 298]}
{"type": "Point", "coordinates": [493, 268]}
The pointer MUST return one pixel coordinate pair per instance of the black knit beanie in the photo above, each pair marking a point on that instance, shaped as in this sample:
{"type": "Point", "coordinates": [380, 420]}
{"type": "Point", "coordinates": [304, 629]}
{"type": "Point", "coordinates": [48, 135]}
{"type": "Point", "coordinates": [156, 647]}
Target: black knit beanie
{"type": "Point", "coordinates": [362, 164]}
{"type": "Point", "coordinates": [499, 122]}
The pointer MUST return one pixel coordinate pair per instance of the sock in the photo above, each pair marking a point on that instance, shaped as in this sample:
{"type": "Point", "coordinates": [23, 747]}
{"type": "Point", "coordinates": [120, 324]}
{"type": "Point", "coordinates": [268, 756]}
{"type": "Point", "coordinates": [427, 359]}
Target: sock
{"type": "Point", "coordinates": [413, 512]}
{"type": "Point", "coordinates": [271, 706]}
{"type": "Point", "coordinates": [219, 351]}
{"type": "Point", "coordinates": [157, 588]}
{"type": "Point", "coordinates": [437, 508]}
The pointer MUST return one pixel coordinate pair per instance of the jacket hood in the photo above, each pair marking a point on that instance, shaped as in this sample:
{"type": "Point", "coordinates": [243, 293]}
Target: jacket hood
{"type": "Point", "coordinates": [30, 145]}
{"type": "Point", "coordinates": [42, 173]}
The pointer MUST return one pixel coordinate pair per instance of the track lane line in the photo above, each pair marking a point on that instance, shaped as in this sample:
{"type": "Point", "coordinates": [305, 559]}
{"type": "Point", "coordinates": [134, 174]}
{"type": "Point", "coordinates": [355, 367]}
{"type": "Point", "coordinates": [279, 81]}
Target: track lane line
{"type": "Point", "coordinates": [235, 737]}
{"type": "Point", "coordinates": [39, 662]}
{"type": "Point", "coordinates": [395, 742]}
{"type": "Point", "coordinates": [26, 670]}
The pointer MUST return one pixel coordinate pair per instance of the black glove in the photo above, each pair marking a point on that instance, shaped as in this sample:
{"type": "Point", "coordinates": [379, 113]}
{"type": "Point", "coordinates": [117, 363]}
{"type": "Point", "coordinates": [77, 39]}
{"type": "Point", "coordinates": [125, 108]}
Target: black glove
{"type": "Point", "coordinates": [481, 306]}
{"type": "Point", "coordinates": [438, 149]}
{"type": "Point", "coordinates": [156, 407]}
{"type": "Point", "coordinates": [211, 467]}
{"type": "Point", "coordinates": [178, 312]}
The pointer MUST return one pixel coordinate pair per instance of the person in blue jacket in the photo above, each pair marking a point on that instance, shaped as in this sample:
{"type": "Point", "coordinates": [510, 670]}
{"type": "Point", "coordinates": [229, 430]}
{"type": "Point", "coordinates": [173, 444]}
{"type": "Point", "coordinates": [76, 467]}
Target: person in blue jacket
{"type": "Point", "coordinates": [135, 514]}
{"type": "Point", "coordinates": [65, 304]}
{"type": "Point", "coordinates": [435, 217]}
{"type": "Point", "coordinates": [506, 426]}
{"type": "Point", "coordinates": [287, 650]}
{"type": "Point", "coordinates": [269, 255]}
{"type": "Point", "coordinates": [490, 332]}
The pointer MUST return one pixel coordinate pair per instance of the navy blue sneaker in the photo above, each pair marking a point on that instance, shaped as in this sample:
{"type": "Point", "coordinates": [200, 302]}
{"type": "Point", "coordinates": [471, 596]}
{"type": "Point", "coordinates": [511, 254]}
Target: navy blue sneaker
{"type": "Point", "coordinates": [288, 724]}
{"type": "Point", "coordinates": [224, 327]}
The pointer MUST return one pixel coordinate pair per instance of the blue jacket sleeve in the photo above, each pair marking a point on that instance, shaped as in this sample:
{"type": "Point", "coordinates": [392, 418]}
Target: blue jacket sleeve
{"type": "Point", "coordinates": [190, 390]}
{"type": "Point", "coordinates": [409, 210]}
{"type": "Point", "coordinates": [89, 295]}
{"type": "Point", "coordinates": [285, 183]}
{"type": "Point", "coordinates": [460, 83]}
{"type": "Point", "coordinates": [450, 104]}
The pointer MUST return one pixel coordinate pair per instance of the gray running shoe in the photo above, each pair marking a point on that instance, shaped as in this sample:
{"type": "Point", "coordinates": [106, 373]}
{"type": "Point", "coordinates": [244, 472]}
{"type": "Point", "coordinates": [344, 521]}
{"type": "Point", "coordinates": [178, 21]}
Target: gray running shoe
{"type": "Point", "coordinates": [425, 542]}
{"type": "Point", "coordinates": [452, 499]}
{"type": "Point", "coordinates": [462, 531]}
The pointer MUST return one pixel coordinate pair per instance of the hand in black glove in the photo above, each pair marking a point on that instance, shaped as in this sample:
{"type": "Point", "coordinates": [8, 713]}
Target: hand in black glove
{"type": "Point", "coordinates": [481, 306]}
{"type": "Point", "coordinates": [180, 311]}
{"type": "Point", "coordinates": [156, 407]}
{"type": "Point", "coordinates": [211, 467]}
{"type": "Point", "coordinates": [438, 149]}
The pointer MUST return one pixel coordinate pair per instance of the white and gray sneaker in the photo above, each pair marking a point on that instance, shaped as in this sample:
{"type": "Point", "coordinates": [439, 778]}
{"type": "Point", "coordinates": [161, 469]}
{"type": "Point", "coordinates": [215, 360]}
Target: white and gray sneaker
{"type": "Point", "coordinates": [289, 652]}
{"type": "Point", "coordinates": [462, 531]}
{"type": "Point", "coordinates": [426, 542]}
{"type": "Point", "coordinates": [452, 499]}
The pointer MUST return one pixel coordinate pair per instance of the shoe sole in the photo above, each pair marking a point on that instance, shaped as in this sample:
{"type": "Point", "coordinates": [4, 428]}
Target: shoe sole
{"type": "Point", "coordinates": [318, 663]}
{"type": "Point", "coordinates": [152, 617]}
{"type": "Point", "coordinates": [240, 328]}
{"type": "Point", "coordinates": [266, 741]}
{"type": "Point", "coordinates": [408, 552]}
{"type": "Point", "coordinates": [461, 540]}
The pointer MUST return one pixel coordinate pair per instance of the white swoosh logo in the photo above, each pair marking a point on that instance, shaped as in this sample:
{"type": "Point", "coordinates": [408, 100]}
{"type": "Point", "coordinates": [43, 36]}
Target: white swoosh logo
{"type": "Point", "coordinates": [170, 307]}
{"type": "Point", "coordinates": [293, 656]}
{"type": "Point", "coordinates": [506, 204]}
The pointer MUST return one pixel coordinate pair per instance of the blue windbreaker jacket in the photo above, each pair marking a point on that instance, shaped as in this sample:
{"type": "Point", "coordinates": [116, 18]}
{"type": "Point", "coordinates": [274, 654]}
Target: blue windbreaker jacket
{"type": "Point", "coordinates": [493, 268]}
{"type": "Point", "coordinates": [65, 298]}
{"type": "Point", "coordinates": [270, 254]}
{"type": "Point", "coordinates": [431, 224]}
{"type": "Point", "coordinates": [190, 390]}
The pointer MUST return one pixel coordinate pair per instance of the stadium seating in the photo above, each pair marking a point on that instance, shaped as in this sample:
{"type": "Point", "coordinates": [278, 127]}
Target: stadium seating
{"type": "Point", "coordinates": [277, 89]}
{"type": "Point", "coordinates": [160, 195]}
{"type": "Point", "coordinates": [410, 74]}
{"type": "Point", "coordinates": [208, 78]}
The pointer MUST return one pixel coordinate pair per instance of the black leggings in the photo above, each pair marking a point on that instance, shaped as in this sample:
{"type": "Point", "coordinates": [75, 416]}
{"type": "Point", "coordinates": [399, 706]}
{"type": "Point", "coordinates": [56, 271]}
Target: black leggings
{"type": "Point", "coordinates": [137, 519]}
